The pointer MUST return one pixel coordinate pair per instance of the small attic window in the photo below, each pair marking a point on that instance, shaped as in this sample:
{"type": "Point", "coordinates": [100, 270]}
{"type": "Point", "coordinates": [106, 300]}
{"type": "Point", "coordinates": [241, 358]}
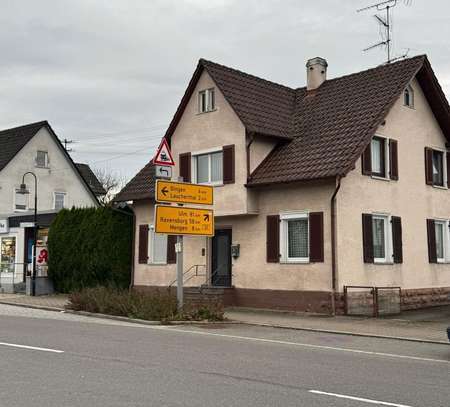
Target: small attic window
{"type": "Point", "coordinates": [408, 96]}
{"type": "Point", "coordinates": [206, 101]}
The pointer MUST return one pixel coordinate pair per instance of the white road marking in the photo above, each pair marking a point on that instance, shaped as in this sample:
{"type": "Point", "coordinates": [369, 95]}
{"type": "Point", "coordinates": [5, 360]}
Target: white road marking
{"type": "Point", "coordinates": [14, 345]}
{"type": "Point", "coordinates": [306, 345]}
{"type": "Point", "coordinates": [370, 401]}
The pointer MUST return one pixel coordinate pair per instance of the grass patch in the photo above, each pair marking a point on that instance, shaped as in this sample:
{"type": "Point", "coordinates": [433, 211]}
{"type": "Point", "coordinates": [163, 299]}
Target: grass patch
{"type": "Point", "coordinates": [158, 306]}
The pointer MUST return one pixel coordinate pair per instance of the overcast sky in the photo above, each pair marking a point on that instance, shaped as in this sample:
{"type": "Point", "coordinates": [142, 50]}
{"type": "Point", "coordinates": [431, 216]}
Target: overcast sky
{"type": "Point", "coordinates": [110, 74]}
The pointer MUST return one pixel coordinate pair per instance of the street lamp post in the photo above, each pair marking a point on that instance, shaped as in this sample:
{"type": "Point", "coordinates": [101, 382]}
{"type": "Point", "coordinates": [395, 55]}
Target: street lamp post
{"type": "Point", "coordinates": [23, 190]}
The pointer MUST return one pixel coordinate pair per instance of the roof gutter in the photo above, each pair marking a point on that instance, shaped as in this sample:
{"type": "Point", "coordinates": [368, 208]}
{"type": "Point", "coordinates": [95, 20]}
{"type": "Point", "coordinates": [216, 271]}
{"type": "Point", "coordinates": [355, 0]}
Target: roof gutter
{"type": "Point", "coordinates": [333, 246]}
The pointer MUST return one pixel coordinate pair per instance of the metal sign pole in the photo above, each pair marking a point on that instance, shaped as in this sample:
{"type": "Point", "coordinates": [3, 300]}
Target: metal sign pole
{"type": "Point", "coordinates": [179, 251]}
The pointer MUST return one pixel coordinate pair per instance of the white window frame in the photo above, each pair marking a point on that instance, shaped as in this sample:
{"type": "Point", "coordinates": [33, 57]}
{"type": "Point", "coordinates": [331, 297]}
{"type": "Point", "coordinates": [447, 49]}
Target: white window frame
{"type": "Point", "coordinates": [47, 161]}
{"type": "Point", "coordinates": [386, 158]}
{"type": "Point", "coordinates": [54, 199]}
{"type": "Point", "coordinates": [151, 246]}
{"type": "Point", "coordinates": [27, 203]}
{"type": "Point", "coordinates": [444, 167]}
{"type": "Point", "coordinates": [388, 245]}
{"type": "Point", "coordinates": [445, 241]}
{"type": "Point", "coordinates": [410, 90]}
{"type": "Point", "coordinates": [210, 101]}
{"type": "Point", "coordinates": [194, 156]}
{"type": "Point", "coordinates": [284, 238]}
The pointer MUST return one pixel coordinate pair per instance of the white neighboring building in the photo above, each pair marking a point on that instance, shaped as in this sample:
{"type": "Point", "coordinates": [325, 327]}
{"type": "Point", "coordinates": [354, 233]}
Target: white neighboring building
{"type": "Point", "coordinates": [61, 184]}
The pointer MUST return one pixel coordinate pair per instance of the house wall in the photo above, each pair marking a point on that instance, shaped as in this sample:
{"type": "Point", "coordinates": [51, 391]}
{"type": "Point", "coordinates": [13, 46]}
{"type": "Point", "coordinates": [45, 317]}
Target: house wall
{"type": "Point", "coordinates": [59, 177]}
{"type": "Point", "coordinates": [260, 148]}
{"type": "Point", "coordinates": [203, 131]}
{"type": "Point", "coordinates": [256, 282]}
{"type": "Point", "coordinates": [409, 197]}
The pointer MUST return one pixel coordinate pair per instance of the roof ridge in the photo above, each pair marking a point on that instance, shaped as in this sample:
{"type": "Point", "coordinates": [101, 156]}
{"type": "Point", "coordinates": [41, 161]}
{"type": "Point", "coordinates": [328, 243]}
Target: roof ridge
{"type": "Point", "coordinates": [25, 126]}
{"type": "Point", "coordinates": [421, 56]}
{"type": "Point", "coordinates": [205, 61]}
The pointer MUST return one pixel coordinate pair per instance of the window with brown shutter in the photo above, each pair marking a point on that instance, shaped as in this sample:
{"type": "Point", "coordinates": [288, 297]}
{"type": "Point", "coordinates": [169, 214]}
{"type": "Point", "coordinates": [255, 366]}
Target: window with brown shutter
{"type": "Point", "coordinates": [366, 161]}
{"type": "Point", "coordinates": [273, 238]}
{"type": "Point", "coordinates": [171, 254]}
{"type": "Point", "coordinates": [228, 164]}
{"type": "Point", "coordinates": [431, 233]}
{"type": "Point", "coordinates": [143, 244]}
{"type": "Point", "coordinates": [397, 239]}
{"type": "Point", "coordinates": [316, 237]}
{"type": "Point", "coordinates": [185, 166]}
{"type": "Point", "coordinates": [393, 159]}
{"type": "Point", "coordinates": [367, 238]}
{"type": "Point", "coordinates": [428, 166]}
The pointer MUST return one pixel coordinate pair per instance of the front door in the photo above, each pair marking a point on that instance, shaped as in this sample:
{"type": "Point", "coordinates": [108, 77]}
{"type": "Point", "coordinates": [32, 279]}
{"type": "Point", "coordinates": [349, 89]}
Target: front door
{"type": "Point", "coordinates": [221, 258]}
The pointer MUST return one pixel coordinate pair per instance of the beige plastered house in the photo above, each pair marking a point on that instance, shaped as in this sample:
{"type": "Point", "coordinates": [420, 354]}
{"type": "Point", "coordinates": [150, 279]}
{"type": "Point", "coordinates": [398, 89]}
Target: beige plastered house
{"type": "Point", "coordinates": [344, 182]}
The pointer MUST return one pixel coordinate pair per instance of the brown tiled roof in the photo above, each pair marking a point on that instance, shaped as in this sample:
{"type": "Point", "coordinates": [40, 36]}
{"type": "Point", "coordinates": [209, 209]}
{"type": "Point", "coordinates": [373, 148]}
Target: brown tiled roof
{"type": "Point", "coordinates": [333, 125]}
{"type": "Point", "coordinates": [263, 107]}
{"type": "Point", "coordinates": [91, 179]}
{"type": "Point", "coordinates": [322, 133]}
{"type": "Point", "coordinates": [141, 186]}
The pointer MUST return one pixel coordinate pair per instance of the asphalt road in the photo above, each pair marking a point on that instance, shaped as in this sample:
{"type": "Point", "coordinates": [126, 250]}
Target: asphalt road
{"type": "Point", "coordinates": [81, 361]}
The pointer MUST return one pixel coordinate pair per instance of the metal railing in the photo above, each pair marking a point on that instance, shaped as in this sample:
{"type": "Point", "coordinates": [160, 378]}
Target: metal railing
{"type": "Point", "coordinates": [191, 273]}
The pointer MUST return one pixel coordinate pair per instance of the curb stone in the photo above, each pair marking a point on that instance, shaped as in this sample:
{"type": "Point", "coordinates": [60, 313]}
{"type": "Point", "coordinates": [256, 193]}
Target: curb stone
{"type": "Point", "coordinates": [351, 333]}
{"type": "Point", "coordinates": [229, 322]}
{"type": "Point", "coordinates": [119, 318]}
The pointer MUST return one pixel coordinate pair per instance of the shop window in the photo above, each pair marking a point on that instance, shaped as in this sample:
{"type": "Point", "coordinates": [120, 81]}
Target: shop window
{"type": "Point", "coordinates": [7, 254]}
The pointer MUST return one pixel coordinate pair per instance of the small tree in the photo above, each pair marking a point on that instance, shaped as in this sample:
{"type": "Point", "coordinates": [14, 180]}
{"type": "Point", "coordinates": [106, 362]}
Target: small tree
{"type": "Point", "coordinates": [112, 183]}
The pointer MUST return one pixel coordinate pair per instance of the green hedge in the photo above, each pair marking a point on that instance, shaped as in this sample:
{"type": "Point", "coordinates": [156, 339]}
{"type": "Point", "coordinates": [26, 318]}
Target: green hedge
{"type": "Point", "coordinates": [90, 247]}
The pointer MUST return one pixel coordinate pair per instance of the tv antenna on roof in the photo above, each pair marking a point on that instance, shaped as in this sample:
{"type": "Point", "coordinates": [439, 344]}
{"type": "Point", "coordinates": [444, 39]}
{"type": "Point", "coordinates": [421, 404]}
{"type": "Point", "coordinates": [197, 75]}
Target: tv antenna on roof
{"type": "Point", "coordinates": [385, 23]}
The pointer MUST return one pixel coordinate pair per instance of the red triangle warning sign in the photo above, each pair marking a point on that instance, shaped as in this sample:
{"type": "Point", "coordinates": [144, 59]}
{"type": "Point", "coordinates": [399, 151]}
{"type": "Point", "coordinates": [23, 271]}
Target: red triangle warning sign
{"type": "Point", "coordinates": [163, 155]}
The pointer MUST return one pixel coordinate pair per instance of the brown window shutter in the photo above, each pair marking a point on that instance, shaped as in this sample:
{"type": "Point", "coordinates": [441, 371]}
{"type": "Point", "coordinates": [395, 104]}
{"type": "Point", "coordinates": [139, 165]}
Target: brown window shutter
{"type": "Point", "coordinates": [431, 232]}
{"type": "Point", "coordinates": [143, 244]}
{"type": "Point", "coordinates": [428, 166]}
{"type": "Point", "coordinates": [316, 237]}
{"type": "Point", "coordinates": [397, 239]}
{"type": "Point", "coordinates": [171, 254]}
{"type": "Point", "coordinates": [366, 160]}
{"type": "Point", "coordinates": [273, 239]}
{"type": "Point", "coordinates": [185, 166]}
{"type": "Point", "coordinates": [228, 164]}
{"type": "Point", "coordinates": [393, 159]}
{"type": "Point", "coordinates": [367, 238]}
{"type": "Point", "coordinates": [448, 169]}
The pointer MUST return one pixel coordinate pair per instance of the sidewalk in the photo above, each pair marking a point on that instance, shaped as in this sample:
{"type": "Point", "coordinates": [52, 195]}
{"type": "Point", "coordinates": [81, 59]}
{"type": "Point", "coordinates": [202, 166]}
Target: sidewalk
{"type": "Point", "coordinates": [55, 302]}
{"type": "Point", "coordinates": [404, 326]}
{"type": "Point", "coordinates": [428, 325]}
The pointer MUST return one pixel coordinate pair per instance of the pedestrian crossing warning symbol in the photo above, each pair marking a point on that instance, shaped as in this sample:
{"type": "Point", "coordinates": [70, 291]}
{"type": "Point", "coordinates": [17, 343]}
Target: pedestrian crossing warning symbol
{"type": "Point", "coordinates": [163, 155]}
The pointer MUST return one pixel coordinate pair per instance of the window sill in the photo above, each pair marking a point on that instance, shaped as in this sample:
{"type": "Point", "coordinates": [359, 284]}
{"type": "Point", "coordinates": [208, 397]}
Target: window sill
{"type": "Point", "coordinates": [383, 263]}
{"type": "Point", "coordinates": [42, 168]}
{"type": "Point", "coordinates": [295, 262]}
{"type": "Point", "coordinates": [439, 187]}
{"type": "Point", "coordinates": [156, 264]}
{"type": "Point", "coordinates": [380, 178]}
{"type": "Point", "coordinates": [207, 111]}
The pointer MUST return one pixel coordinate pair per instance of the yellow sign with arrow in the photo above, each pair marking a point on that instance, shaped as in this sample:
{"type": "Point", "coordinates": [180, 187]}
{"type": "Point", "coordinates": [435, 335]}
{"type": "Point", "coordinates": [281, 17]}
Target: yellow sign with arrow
{"type": "Point", "coordinates": [179, 220]}
{"type": "Point", "coordinates": [184, 193]}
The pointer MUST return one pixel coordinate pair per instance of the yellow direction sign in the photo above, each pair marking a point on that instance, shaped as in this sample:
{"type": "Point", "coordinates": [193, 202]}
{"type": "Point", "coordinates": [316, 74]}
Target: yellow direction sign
{"type": "Point", "coordinates": [179, 220]}
{"type": "Point", "coordinates": [179, 192]}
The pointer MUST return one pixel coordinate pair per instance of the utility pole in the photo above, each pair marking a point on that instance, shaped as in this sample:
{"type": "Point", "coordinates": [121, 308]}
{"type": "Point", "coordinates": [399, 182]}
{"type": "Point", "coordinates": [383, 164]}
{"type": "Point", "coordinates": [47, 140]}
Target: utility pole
{"type": "Point", "coordinates": [65, 142]}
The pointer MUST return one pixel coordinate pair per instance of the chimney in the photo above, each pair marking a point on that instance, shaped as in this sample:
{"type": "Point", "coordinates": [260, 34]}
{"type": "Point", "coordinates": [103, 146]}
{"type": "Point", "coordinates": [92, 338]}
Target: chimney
{"type": "Point", "coordinates": [316, 72]}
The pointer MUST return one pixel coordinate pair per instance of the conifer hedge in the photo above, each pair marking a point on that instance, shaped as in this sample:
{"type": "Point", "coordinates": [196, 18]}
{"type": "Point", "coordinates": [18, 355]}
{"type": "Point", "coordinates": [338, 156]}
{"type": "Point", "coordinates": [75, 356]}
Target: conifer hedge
{"type": "Point", "coordinates": [90, 247]}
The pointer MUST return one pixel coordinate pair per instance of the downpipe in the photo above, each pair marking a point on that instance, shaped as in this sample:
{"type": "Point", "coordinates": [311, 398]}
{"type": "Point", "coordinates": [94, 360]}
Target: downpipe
{"type": "Point", "coordinates": [333, 246]}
